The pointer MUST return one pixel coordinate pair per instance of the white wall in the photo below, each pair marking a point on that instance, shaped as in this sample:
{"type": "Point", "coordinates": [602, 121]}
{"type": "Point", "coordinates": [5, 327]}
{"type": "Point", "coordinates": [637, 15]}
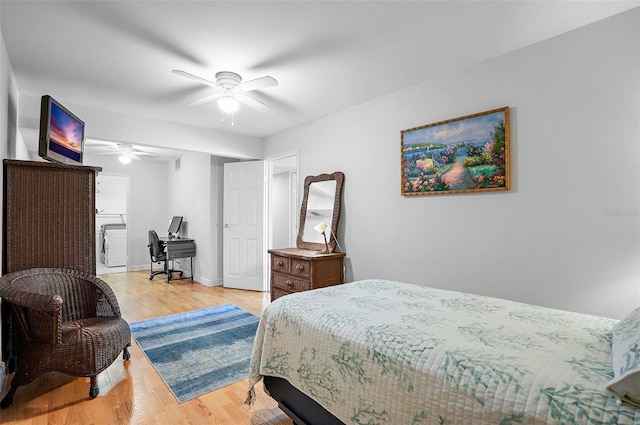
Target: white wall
{"type": "Point", "coordinates": [147, 204]}
{"type": "Point", "coordinates": [565, 236]}
{"type": "Point", "coordinates": [216, 217]}
{"type": "Point", "coordinates": [189, 195]}
{"type": "Point", "coordinates": [11, 142]}
{"type": "Point", "coordinates": [195, 192]}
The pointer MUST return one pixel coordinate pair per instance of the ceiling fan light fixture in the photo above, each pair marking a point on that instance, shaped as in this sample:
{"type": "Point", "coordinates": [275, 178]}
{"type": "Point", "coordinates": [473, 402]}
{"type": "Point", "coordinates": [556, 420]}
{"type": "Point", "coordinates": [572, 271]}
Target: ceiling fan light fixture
{"type": "Point", "coordinates": [125, 158]}
{"type": "Point", "coordinates": [227, 86]}
{"type": "Point", "coordinates": [228, 104]}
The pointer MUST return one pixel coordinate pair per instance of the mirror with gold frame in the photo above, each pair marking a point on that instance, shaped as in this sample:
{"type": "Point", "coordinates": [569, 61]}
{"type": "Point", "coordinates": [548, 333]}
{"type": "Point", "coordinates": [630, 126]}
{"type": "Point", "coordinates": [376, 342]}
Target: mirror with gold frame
{"type": "Point", "coordinates": [321, 203]}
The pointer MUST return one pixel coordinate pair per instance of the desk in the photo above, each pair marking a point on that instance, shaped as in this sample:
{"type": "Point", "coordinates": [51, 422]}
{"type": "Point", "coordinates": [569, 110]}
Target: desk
{"type": "Point", "coordinates": [179, 248]}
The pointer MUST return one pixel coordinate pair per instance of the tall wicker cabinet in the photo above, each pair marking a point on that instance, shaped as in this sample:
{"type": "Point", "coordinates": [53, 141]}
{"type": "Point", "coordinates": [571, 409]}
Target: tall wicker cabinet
{"type": "Point", "coordinates": [48, 221]}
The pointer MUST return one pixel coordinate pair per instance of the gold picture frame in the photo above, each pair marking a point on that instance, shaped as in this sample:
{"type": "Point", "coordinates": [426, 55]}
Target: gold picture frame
{"type": "Point", "coordinates": [469, 154]}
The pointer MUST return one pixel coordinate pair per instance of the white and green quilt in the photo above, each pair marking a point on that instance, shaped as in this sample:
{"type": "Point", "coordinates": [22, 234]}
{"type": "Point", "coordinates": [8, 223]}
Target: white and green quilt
{"type": "Point", "coordinates": [381, 352]}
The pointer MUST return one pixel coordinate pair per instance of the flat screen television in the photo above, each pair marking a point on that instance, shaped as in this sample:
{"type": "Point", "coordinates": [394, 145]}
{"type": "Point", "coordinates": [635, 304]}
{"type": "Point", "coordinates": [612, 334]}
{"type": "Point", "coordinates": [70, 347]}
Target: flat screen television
{"type": "Point", "coordinates": [61, 133]}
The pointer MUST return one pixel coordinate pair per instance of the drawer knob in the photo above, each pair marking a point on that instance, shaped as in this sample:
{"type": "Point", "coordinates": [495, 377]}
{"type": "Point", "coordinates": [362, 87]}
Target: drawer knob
{"type": "Point", "coordinates": [289, 283]}
{"type": "Point", "coordinates": [300, 267]}
{"type": "Point", "coordinates": [280, 263]}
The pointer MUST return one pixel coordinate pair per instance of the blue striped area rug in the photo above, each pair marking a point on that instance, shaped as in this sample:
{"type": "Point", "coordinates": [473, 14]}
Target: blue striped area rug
{"type": "Point", "coordinates": [199, 351]}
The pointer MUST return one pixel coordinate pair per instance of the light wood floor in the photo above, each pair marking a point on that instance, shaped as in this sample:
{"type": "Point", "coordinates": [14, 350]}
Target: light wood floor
{"type": "Point", "coordinates": [133, 392]}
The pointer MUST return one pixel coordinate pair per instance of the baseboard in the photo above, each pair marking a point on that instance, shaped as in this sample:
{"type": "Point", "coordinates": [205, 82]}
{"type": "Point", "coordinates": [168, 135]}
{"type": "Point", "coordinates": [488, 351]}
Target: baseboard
{"type": "Point", "coordinates": [208, 282]}
{"type": "Point", "coordinates": [198, 279]}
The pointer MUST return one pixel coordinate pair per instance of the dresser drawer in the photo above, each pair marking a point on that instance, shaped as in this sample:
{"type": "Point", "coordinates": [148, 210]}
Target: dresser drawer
{"type": "Point", "coordinates": [297, 270]}
{"type": "Point", "coordinates": [289, 283]}
{"type": "Point", "coordinates": [277, 293]}
{"type": "Point", "coordinates": [300, 268]}
{"type": "Point", "coordinates": [280, 264]}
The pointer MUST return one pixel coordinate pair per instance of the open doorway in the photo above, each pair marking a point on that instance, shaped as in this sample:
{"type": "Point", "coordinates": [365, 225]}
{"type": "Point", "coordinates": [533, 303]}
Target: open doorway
{"type": "Point", "coordinates": [111, 224]}
{"type": "Point", "coordinates": [284, 208]}
{"type": "Point", "coordinates": [283, 211]}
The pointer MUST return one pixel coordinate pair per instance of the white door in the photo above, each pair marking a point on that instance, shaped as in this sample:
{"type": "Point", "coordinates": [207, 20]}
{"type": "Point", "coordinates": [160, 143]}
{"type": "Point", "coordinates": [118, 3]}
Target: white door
{"type": "Point", "coordinates": [244, 253]}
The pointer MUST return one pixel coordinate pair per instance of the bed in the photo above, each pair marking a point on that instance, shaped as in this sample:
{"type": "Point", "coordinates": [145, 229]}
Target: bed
{"type": "Point", "coordinates": [383, 352]}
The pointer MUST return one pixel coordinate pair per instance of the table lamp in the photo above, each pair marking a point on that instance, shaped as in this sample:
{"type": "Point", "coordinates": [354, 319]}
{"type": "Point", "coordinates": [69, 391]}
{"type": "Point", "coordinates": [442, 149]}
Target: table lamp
{"type": "Point", "coordinates": [322, 228]}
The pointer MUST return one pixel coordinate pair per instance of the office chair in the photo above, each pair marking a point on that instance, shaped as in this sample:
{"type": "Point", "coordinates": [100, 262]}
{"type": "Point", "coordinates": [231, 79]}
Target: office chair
{"type": "Point", "coordinates": [158, 255]}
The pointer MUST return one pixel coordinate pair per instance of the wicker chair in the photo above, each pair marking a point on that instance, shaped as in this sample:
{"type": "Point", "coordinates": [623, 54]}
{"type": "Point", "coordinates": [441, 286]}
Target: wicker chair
{"type": "Point", "coordinates": [69, 321]}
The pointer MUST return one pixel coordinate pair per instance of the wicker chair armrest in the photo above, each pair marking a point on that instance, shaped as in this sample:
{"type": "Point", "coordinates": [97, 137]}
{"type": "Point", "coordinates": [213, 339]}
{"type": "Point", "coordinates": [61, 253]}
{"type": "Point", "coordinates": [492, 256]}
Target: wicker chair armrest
{"type": "Point", "coordinates": [51, 307]}
{"type": "Point", "coordinates": [43, 302]}
{"type": "Point", "coordinates": [108, 297]}
{"type": "Point", "coordinates": [97, 296]}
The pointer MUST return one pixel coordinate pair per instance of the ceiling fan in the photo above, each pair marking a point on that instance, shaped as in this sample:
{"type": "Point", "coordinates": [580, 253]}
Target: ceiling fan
{"type": "Point", "coordinates": [124, 151]}
{"type": "Point", "coordinates": [231, 91]}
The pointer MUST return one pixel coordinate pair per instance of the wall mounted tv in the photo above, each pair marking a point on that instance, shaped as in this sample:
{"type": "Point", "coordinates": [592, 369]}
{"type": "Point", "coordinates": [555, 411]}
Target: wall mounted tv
{"type": "Point", "coordinates": [61, 133]}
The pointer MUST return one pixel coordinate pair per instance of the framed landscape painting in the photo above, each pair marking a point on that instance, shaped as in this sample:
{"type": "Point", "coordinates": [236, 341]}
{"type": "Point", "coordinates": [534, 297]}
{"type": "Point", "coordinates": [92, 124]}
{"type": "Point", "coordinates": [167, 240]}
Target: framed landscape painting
{"type": "Point", "coordinates": [469, 154]}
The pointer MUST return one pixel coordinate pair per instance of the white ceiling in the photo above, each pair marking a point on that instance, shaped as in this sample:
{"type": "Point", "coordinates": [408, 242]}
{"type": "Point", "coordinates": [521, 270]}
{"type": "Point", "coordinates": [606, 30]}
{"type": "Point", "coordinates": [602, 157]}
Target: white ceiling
{"type": "Point", "coordinates": [326, 55]}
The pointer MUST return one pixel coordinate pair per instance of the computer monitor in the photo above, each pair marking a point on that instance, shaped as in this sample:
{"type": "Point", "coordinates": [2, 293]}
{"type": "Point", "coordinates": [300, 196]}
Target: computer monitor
{"type": "Point", "coordinates": [174, 227]}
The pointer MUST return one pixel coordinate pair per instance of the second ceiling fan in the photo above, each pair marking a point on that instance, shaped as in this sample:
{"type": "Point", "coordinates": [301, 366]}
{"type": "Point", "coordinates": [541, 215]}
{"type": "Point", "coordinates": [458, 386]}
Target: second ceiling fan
{"type": "Point", "coordinates": [229, 90]}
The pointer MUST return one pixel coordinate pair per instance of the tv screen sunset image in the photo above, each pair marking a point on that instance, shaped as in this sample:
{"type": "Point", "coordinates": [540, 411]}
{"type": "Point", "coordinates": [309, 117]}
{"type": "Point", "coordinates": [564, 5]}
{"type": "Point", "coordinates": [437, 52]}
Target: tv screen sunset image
{"type": "Point", "coordinates": [65, 130]}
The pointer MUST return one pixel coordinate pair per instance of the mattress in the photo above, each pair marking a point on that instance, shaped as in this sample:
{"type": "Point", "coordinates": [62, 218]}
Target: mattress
{"type": "Point", "coordinates": [383, 352]}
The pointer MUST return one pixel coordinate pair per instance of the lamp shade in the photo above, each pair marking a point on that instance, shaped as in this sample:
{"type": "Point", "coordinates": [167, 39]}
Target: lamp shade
{"type": "Point", "coordinates": [321, 227]}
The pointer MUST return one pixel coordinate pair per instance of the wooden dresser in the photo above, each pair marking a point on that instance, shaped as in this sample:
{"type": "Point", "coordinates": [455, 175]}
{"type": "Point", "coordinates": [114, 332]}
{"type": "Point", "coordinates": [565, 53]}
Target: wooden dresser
{"type": "Point", "coordinates": [295, 270]}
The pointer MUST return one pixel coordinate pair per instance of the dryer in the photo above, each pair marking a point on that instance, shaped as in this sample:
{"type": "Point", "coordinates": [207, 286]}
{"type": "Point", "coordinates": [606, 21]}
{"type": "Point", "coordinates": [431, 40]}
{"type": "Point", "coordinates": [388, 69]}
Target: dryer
{"type": "Point", "coordinates": [113, 244]}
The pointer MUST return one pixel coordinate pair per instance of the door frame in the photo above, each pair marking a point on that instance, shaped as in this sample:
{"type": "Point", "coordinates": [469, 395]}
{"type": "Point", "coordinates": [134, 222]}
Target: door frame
{"type": "Point", "coordinates": [271, 163]}
{"type": "Point", "coordinates": [122, 178]}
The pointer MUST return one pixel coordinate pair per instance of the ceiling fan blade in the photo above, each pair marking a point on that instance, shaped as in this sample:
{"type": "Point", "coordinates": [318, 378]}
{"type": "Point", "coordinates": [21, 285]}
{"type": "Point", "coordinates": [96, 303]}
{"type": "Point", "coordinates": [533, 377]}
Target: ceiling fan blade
{"type": "Point", "coordinates": [259, 83]}
{"type": "Point", "coordinates": [94, 142]}
{"type": "Point", "coordinates": [194, 77]}
{"type": "Point", "coordinates": [207, 98]}
{"type": "Point", "coordinates": [252, 103]}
